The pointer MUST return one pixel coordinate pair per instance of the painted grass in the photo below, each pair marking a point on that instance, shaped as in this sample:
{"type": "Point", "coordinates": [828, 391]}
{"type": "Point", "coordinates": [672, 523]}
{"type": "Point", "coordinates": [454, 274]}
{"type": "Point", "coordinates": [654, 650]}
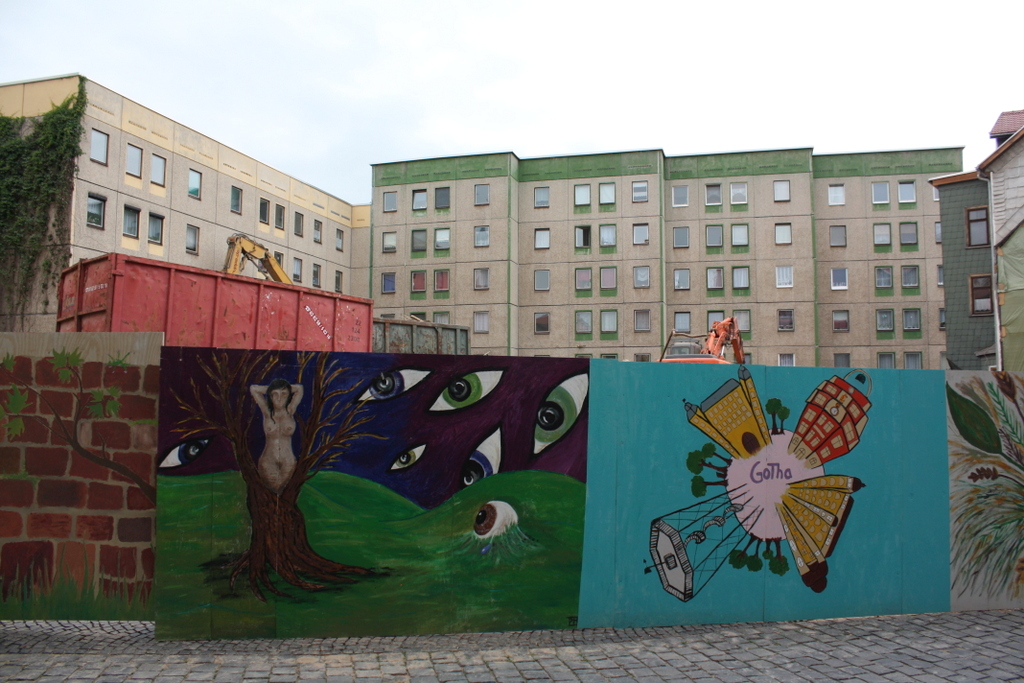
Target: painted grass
{"type": "Point", "coordinates": [69, 599]}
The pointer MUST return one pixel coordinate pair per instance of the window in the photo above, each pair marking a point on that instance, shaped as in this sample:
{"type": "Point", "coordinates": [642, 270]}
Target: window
{"type": "Point", "coordinates": [906, 192]}
{"type": "Point", "coordinates": [836, 195]}
{"type": "Point", "coordinates": [840, 360]}
{"type": "Point", "coordinates": [783, 276]}
{"type": "Point", "coordinates": [542, 280]}
{"type": "Point", "coordinates": [883, 277]}
{"type": "Point", "coordinates": [279, 257]}
{"type": "Point", "coordinates": [981, 294]}
{"type": "Point", "coordinates": [419, 200]}
{"type": "Point", "coordinates": [938, 232]}
{"type": "Point", "coordinates": [387, 283]}
{"type": "Point", "coordinates": [299, 219]}
{"type": "Point", "coordinates": [541, 323]}
{"type": "Point", "coordinates": [95, 211]}
{"type": "Point", "coordinates": [908, 233]}
{"type": "Point", "coordinates": [839, 278]}
{"type": "Point", "coordinates": [681, 195]}
{"type": "Point", "coordinates": [337, 281]}
{"type": "Point", "coordinates": [781, 189]}
{"type": "Point", "coordinates": [390, 202]}
{"type": "Point", "coordinates": [236, 199]}
{"type": "Point", "coordinates": [584, 322]}
{"type": "Point", "coordinates": [942, 318]}
{"type": "Point", "coordinates": [641, 358]}
{"type": "Point", "coordinates": [582, 195]}
{"type": "Point", "coordinates": [609, 277]}
{"type": "Point", "coordinates": [716, 278]}
{"type": "Point", "coordinates": [441, 281]}
{"type": "Point", "coordinates": [316, 275]}
{"type": "Point", "coordinates": [910, 276]}
{"type": "Point", "coordinates": [681, 278]}
{"type": "Point", "coordinates": [442, 238]}
{"type": "Point", "coordinates": [191, 239]}
{"type": "Point", "coordinates": [442, 199]}
{"type": "Point", "coordinates": [911, 319]}
{"type": "Point", "coordinates": [481, 322]}
{"type": "Point", "coordinates": [156, 229]}
{"type": "Point", "coordinates": [607, 236]}
{"type": "Point", "coordinates": [339, 236]}
{"type": "Point", "coordinates": [977, 226]}
{"type": "Point", "coordinates": [641, 234]}
{"type": "Point", "coordinates": [582, 236]}
{"type": "Point", "coordinates": [786, 320]}
{"type": "Point", "coordinates": [481, 278]}
{"type": "Point", "coordinates": [605, 193]}
{"type": "Point", "coordinates": [296, 270]}
{"type": "Point", "coordinates": [541, 197]}
{"type": "Point", "coordinates": [482, 236]}
{"type": "Point", "coordinates": [680, 237]}
{"type": "Point", "coordinates": [741, 277]}
{"type": "Point", "coordinates": [783, 233]}
{"type": "Point", "coordinates": [880, 193]}
{"type": "Point", "coordinates": [882, 234]}
{"type": "Point", "coordinates": [840, 321]}
{"type": "Point", "coordinates": [609, 321]}
{"type": "Point", "coordinates": [935, 193]}
{"type": "Point", "coordinates": [714, 235]}
{"type": "Point", "coordinates": [481, 195]}
{"type": "Point", "coordinates": [712, 195]}
{"type": "Point", "coordinates": [912, 360]}
{"type": "Point", "coordinates": [639, 191]}
{"type": "Point", "coordinates": [158, 170]}
{"type": "Point", "coordinates": [737, 193]}
{"type": "Point", "coordinates": [715, 317]}
{"type": "Point", "coordinates": [133, 161]}
{"type": "Point", "coordinates": [418, 281]}
{"type": "Point", "coordinates": [442, 317]}
{"type": "Point", "coordinates": [130, 228]}
{"type": "Point", "coordinates": [742, 320]}
{"type": "Point", "coordinates": [195, 184]}
{"type": "Point", "coordinates": [837, 235]}
{"type": "Point", "coordinates": [939, 276]}
{"type": "Point", "coordinates": [884, 320]}
{"type": "Point", "coordinates": [389, 242]}
{"type": "Point", "coordinates": [741, 236]}
{"type": "Point", "coordinates": [542, 238]}
{"type": "Point", "coordinates": [681, 321]}
{"type": "Point", "coordinates": [419, 241]}
{"type": "Point", "coordinates": [887, 361]}
{"type": "Point", "coordinates": [98, 146]}
{"type": "Point", "coordinates": [264, 210]}
{"type": "Point", "coordinates": [584, 279]}
{"type": "Point", "coordinates": [641, 277]}
{"type": "Point", "coordinates": [642, 320]}
{"type": "Point", "coordinates": [787, 360]}
{"type": "Point", "coordinates": [279, 217]}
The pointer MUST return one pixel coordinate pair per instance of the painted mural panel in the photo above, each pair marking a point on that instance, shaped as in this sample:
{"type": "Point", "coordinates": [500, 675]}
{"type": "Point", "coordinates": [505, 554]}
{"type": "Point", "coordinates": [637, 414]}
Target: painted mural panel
{"type": "Point", "coordinates": [986, 462]}
{"type": "Point", "coordinates": [307, 494]}
{"type": "Point", "coordinates": [754, 493]}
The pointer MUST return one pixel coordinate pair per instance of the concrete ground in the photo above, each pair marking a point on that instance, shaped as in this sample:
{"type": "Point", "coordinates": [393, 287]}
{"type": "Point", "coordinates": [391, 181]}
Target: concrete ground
{"type": "Point", "coordinates": [966, 646]}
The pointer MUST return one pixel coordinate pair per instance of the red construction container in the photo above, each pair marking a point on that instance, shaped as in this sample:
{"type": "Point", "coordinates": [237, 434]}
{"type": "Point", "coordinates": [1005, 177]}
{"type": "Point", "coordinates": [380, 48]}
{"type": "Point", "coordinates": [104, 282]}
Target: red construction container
{"type": "Point", "coordinates": [195, 307]}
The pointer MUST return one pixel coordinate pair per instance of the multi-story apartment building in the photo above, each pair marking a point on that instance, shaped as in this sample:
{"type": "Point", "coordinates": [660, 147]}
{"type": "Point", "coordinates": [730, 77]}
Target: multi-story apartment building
{"type": "Point", "coordinates": [152, 187]}
{"type": "Point", "coordinates": [823, 259]}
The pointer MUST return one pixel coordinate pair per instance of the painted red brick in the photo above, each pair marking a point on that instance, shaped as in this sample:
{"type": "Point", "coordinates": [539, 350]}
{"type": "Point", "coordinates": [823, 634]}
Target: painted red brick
{"type": "Point", "coordinates": [105, 497]}
{"type": "Point", "coordinates": [25, 560]}
{"type": "Point", "coordinates": [134, 530]}
{"type": "Point", "coordinates": [56, 402]}
{"type": "Point", "coordinates": [37, 430]}
{"type": "Point", "coordinates": [23, 369]}
{"type": "Point", "coordinates": [117, 561]}
{"type": "Point", "coordinates": [127, 379]}
{"type": "Point", "coordinates": [138, 501]}
{"type": "Point", "coordinates": [141, 464]}
{"type": "Point", "coordinates": [92, 375]}
{"type": "Point", "coordinates": [148, 562]}
{"type": "Point", "coordinates": [80, 467]}
{"type": "Point", "coordinates": [49, 525]}
{"type": "Point", "coordinates": [46, 376]}
{"type": "Point", "coordinates": [151, 381]}
{"type": "Point", "coordinates": [137, 407]}
{"type": "Point", "coordinates": [117, 435]}
{"type": "Point", "coordinates": [43, 461]}
{"type": "Point", "coordinates": [76, 560]}
{"type": "Point", "coordinates": [15, 493]}
{"type": "Point", "coordinates": [94, 527]}
{"type": "Point", "coordinates": [10, 460]}
{"type": "Point", "coordinates": [63, 493]}
{"type": "Point", "coordinates": [10, 524]}
{"type": "Point", "coordinates": [144, 437]}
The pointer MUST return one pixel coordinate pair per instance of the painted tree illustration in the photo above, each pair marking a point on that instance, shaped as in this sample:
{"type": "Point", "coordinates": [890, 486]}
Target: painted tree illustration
{"type": "Point", "coordinates": [697, 460]}
{"type": "Point", "coordinates": [777, 562]}
{"type": "Point", "coordinates": [327, 422]}
{"type": "Point", "coordinates": [87, 404]}
{"type": "Point", "coordinates": [773, 406]}
{"type": "Point", "coordinates": [783, 416]}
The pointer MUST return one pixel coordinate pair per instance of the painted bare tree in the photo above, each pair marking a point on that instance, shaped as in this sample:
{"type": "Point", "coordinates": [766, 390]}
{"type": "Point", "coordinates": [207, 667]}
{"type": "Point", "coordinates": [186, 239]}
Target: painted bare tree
{"type": "Point", "coordinates": [332, 421]}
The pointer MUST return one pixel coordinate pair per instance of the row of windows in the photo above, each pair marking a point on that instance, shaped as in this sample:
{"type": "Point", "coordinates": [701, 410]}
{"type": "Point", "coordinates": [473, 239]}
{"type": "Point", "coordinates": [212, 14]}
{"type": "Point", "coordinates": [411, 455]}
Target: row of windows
{"type": "Point", "coordinates": [906, 193]}
{"type": "Point", "coordinates": [442, 198]}
{"type": "Point", "coordinates": [418, 280]}
{"type": "Point", "coordinates": [99, 149]}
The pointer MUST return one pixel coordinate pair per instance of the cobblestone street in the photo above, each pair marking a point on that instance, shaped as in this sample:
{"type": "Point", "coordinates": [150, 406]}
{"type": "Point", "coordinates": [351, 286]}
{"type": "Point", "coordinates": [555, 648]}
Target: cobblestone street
{"type": "Point", "coordinates": [966, 646]}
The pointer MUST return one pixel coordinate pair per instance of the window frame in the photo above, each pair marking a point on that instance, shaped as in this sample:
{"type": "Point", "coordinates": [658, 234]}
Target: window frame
{"type": "Point", "coordinates": [907, 355]}
{"type": "Point", "coordinates": [440, 245]}
{"type": "Point", "coordinates": [675, 196]}
{"type": "Point", "coordinates": [481, 279]}
{"type": "Point", "coordinates": [544, 203]}
{"type": "Point", "coordinates": [417, 281]}
{"type": "Point", "coordinates": [542, 322]}
{"type": "Point", "coordinates": [163, 170]}
{"type": "Point", "coordinates": [538, 285]}
{"type": "Point", "coordinates": [195, 189]}
{"type": "Point", "coordinates": [717, 282]}
{"type": "Point", "coordinates": [638, 280]}
{"type": "Point", "coordinates": [386, 248]}
{"type": "Point", "coordinates": [481, 322]}
{"type": "Point", "coordinates": [675, 279]}
{"type": "Point", "coordinates": [442, 280]}
{"type": "Point", "coordinates": [481, 236]}
{"type": "Point", "coordinates": [782, 315]}
{"type": "Point", "coordinates": [101, 202]}
{"type": "Point", "coordinates": [613, 277]}
{"type": "Point", "coordinates": [264, 211]}
{"type": "Point", "coordinates": [602, 232]}
{"type": "Point", "coordinates": [235, 201]}
{"type": "Point", "coordinates": [638, 315]}
{"type": "Point", "coordinates": [900, 185]}
{"type": "Point", "coordinates": [314, 277]}
{"type": "Point", "coordinates": [104, 138]}
{"type": "Point", "coordinates": [339, 239]}
{"type": "Point", "coordinates": [160, 220]}
{"type": "Point", "coordinates": [298, 224]}
{"type": "Point", "coordinates": [837, 191]}
{"type": "Point", "coordinates": [720, 239]}
{"type": "Point", "coordinates": [603, 198]}
{"type": "Point", "coordinates": [970, 224]}
{"type": "Point", "coordinates": [743, 272]}
{"type": "Point", "coordinates": [547, 238]}
{"type": "Point", "coordinates": [641, 234]}
{"type": "Point", "coordinates": [779, 281]}
{"type": "Point", "coordinates": [124, 221]}
{"type": "Point", "coordinates": [841, 320]}
{"type": "Point", "coordinates": [613, 317]}
{"type": "Point", "coordinates": [676, 318]}
{"type": "Point", "coordinates": [338, 281]}
{"type": "Point", "coordinates": [388, 278]}
{"type": "Point", "coordinates": [776, 184]}
{"type": "Point", "coordinates": [586, 284]}
{"type": "Point", "coordinates": [787, 360]}
{"type": "Point", "coordinates": [296, 269]}
{"type": "Point", "coordinates": [789, 230]}
{"type": "Point", "coordinates": [419, 196]}
{"type": "Point", "coordinates": [676, 232]}
{"type": "Point", "coordinates": [739, 187]}
{"type": "Point", "coordinates": [940, 275]}
{"type": "Point", "coordinates": [707, 194]}
{"type": "Point", "coordinates": [906, 238]}
{"type": "Point", "coordinates": [581, 195]}
{"type": "Point", "coordinates": [880, 273]}
{"type": "Point", "coordinates": [640, 192]}
{"type": "Point", "coordinates": [832, 232]}
{"type": "Point", "coordinates": [482, 194]}
{"type": "Point", "coordinates": [915, 277]}
{"type": "Point", "coordinates": [583, 322]}
{"type": "Point", "coordinates": [876, 195]}
{"type": "Point", "coordinates": [443, 197]}
{"type": "Point", "coordinates": [908, 319]}
{"type": "Point", "coordinates": [846, 279]}
{"type": "Point", "coordinates": [418, 241]}
{"type": "Point", "coordinates": [890, 355]}
{"type": "Point", "coordinates": [318, 231]}
{"type": "Point", "coordinates": [972, 288]}
{"type": "Point", "coordinates": [389, 201]}
{"type": "Point", "coordinates": [880, 239]}
{"type": "Point", "coordinates": [128, 160]}
{"type": "Point", "coordinates": [742, 229]}
{"type": "Point", "coordinates": [192, 230]}
{"type": "Point", "coordinates": [279, 214]}
{"type": "Point", "coordinates": [880, 323]}
{"type": "Point", "coordinates": [582, 233]}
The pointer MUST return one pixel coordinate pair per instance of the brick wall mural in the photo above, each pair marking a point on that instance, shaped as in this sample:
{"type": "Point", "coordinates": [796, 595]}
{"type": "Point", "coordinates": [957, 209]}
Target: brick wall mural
{"type": "Point", "coordinates": [78, 422]}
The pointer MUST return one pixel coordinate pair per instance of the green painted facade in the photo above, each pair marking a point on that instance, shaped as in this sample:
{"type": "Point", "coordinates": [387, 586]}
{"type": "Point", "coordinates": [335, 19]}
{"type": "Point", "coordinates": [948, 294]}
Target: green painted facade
{"type": "Point", "coordinates": [776, 162]}
{"type": "Point", "coordinates": [931, 161]}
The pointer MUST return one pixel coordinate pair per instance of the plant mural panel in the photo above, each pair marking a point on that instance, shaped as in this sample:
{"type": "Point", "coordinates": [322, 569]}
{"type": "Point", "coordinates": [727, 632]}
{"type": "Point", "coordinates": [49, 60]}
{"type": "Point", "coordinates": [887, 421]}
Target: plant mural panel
{"type": "Point", "coordinates": [351, 494]}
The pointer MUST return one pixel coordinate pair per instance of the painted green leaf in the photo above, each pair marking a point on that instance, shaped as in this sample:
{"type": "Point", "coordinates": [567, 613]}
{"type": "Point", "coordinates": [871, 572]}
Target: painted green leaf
{"type": "Point", "coordinates": [95, 410]}
{"type": "Point", "coordinates": [113, 407]}
{"type": "Point", "coordinates": [8, 362]}
{"type": "Point", "coordinates": [17, 401]}
{"type": "Point", "coordinates": [15, 426]}
{"type": "Point", "coordinates": [973, 422]}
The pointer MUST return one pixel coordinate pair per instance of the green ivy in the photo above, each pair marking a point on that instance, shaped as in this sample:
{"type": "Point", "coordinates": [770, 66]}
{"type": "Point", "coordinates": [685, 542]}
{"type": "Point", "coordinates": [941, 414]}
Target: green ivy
{"type": "Point", "coordinates": [37, 174]}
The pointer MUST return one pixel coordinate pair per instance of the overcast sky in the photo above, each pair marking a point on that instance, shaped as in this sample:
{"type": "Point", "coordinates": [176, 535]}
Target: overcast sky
{"type": "Point", "coordinates": [321, 90]}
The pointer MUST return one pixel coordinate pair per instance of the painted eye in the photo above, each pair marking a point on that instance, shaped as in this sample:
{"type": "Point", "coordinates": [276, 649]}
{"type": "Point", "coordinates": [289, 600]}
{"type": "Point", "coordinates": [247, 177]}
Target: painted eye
{"type": "Point", "coordinates": [393, 383]}
{"type": "Point", "coordinates": [485, 461]}
{"type": "Point", "coordinates": [467, 390]}
{"type": "Point", "coordinates": [558, 412]}
{"type": "Point", "coordinates": [408, 459]}
{"type": "Point", "coordinates": [494, 518]}
{"type": "Point", "coordinates": [184, 453]}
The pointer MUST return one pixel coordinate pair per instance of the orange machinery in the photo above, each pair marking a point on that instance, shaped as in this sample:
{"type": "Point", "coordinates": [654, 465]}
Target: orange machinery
{"type": "Point", "coordinates": [684, 348]}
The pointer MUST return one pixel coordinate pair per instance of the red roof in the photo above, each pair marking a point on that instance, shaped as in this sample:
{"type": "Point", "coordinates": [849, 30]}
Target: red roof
{"type": "Point", "coordinates": [1009, 122]}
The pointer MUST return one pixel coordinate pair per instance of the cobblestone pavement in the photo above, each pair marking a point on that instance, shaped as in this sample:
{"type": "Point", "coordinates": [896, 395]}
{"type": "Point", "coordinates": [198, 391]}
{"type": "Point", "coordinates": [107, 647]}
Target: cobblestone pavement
{"type": "Point", "coordinates": [966, 646]}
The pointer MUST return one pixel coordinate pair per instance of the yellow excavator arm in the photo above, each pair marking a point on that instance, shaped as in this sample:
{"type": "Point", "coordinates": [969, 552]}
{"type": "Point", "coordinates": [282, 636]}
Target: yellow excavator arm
{"type": "Point", "coordinates": [242, 246]}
